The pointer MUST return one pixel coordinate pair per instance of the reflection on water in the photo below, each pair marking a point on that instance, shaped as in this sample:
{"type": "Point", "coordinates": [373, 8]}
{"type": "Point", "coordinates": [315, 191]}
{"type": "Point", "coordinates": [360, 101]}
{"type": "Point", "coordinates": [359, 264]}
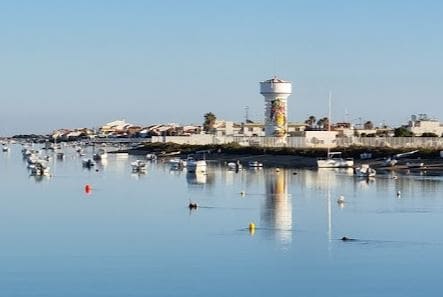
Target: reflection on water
{"type": "Point", "coordinates": [277, 209]}
{"type": "Point", "coordinates": [196, 178]}
{"type": "Point", "coordinates": [143, 228]}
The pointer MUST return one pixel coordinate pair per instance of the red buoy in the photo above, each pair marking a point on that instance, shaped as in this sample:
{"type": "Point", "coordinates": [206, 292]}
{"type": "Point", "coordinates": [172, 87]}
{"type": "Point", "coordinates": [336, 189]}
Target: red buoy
{"type": "Point", "coordinates": [88, 189]}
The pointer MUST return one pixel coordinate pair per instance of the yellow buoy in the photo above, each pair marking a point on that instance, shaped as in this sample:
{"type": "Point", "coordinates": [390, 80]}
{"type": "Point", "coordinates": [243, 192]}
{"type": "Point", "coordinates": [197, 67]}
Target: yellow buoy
{"type": "Point", "coordinates": [251, 228]}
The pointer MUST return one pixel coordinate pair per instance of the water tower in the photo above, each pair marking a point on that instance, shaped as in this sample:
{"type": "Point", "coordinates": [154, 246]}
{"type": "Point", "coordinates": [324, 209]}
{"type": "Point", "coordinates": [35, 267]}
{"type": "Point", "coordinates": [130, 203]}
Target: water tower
{"type": "Point", "coordinates": [276, 93]}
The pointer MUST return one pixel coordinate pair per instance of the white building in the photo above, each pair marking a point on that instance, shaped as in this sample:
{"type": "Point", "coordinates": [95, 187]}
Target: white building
{"type": "Point", "coordinates": [423, 124]}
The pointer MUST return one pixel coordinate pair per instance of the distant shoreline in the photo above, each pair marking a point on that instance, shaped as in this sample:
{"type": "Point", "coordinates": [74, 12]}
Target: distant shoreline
{"type": "Point", "coordinates": [284, 157]}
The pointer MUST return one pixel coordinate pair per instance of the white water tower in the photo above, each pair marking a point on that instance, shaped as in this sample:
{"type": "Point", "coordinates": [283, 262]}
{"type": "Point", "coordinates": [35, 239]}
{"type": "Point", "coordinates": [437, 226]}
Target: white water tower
{"type": "Point", "coordinates": [276, 93]}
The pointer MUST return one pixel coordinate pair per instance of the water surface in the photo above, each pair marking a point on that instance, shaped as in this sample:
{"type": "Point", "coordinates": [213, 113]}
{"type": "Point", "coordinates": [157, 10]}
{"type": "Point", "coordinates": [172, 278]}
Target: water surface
{"type": "Point", "coordinates": [133, 235]}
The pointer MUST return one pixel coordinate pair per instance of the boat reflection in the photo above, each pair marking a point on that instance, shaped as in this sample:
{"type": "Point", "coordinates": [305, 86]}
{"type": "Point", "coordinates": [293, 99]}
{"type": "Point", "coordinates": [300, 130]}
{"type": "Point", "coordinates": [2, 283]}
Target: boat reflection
{"type": "Point", "coordinates": [196, 178]}
{"type": "Point", "coordinates": [277, 210]}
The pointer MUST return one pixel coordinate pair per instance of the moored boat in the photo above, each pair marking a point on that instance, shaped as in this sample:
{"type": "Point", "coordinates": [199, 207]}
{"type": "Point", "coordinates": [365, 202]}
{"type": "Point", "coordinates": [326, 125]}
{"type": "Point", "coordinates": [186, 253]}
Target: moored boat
{"type": "Point", "coordinates": [335, 160]}
{"type": "Point", "coordinates": [364, 170]}
{"type": "Point", "coordinates": [196, 165]}
{"type": "Point", "coordinates": [88, 163]}
{"type": "Point", "coordinates": [138, 166]}
{"type": "Point", "coordinates": [255, 164]}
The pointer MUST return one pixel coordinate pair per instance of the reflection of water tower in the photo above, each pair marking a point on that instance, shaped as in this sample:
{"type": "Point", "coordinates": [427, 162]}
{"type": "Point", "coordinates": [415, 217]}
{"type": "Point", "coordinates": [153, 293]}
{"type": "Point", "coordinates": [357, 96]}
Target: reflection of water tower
{"type": "Point", "coordinates": [276, 93]}
{"type": "Point", "coordinates": [278, 207]}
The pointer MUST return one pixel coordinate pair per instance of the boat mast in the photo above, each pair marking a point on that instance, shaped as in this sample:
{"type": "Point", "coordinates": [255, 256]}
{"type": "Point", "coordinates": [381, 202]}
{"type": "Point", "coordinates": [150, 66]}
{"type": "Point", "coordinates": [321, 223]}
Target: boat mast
{"type": "Point", "coordinates": [329, 118]}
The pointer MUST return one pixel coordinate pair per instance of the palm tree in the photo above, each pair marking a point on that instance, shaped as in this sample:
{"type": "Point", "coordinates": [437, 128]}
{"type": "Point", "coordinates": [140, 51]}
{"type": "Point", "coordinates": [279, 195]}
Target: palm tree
{"type": "Point", "coordinates": [311, 121]}
{"type": "Point", "coordinates": [208, 124]}
{"type": "Point", "coordinates": [368, 125]}
{"type": "Point", "coordinates": [323, 123]}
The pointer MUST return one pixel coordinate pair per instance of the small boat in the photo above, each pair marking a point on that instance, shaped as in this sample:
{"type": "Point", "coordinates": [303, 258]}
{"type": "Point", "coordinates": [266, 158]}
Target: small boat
{"type": "Point", "coordinates": [196, 165]}
{"type": "Point", "coordinates": [365, 156]}
{"type": "Point", "coordinates": [255, 164]}
{"type": "Point", "coordinates": [60, 155]}
{"type": "Point", "coordinates": [392, 161]}
{"type": "Point", "coordinates": [235, 166]}
{"type": "Point", "coordinates": [39, 168]}
{"type": "Point", "coordinates": [100, 155]}
{"type": "Point", "coordinates": [151, 157]}
{"type": "Point", "coordinates": [334, 160]}
{"type": "Point", "coordinates": [412, 165]}
{"type": "Point", "coordinates": [177, 163]}
{"type": "Point", "coordinates": [88, 163]}
{"type": "Point", "coordinates": [365, 171]}
{"type": "Point", "coordinates": [165, 154]}
{"type": "Point", "coordinates": [5, 148]}
{"type": "Point", "coordinates": [138, 166]}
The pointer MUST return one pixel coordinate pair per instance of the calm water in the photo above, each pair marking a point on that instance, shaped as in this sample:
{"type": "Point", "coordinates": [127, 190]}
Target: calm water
{"type": "Point", "coordinates": [134, 235]}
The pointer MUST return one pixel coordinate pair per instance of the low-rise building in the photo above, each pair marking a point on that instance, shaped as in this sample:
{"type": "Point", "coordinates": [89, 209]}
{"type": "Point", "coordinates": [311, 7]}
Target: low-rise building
{"type": "Point", "coordinates": [420, 124]}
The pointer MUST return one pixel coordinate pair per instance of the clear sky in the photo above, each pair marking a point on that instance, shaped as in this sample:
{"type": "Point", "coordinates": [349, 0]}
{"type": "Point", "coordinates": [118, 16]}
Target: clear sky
{"type": "Point", "coordinates": [84, 63]}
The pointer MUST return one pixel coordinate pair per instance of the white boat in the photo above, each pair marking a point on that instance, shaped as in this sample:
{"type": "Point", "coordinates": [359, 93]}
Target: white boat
{"type": "Point", "coordinates": [39, 168]}
{"type": "Point", "coordinates": [335, 160]}
{"type": "Point", "coordinates": [88, 163]}
{"type": "Point", "coordinates": [138, 166]}
{"type": "Point", "coordinates": [365, 171]}
{"type": "Point", "coordinates": [255, 164]}
{"type": "Point", "coordinates": [5, 148]}
{"type": "Point", "coordinates": [235, 166]}
{"type": "Point", "coordinates": [392, 161]}
{"type": "Point", "coordinates": [151, 157]}
{"type": "Point", "coordinates": [177, 163]}
{"type": "Point", "coordinates": [196, 165]}
{"type": "Point", "coordinates": [100, 155]}
{"type": "Point", "coordinates": [415, 165]}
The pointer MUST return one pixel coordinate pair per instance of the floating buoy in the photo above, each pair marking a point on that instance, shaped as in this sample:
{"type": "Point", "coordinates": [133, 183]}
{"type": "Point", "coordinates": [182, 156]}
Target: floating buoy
{"type": "Point", "coordinates": [251, 228]}
{"type": "Point", "coordinates": [277, 169]}
{"type": "Point", "coordinates": [398, 193]}
{"type": "Point", "coordinates": [341, 199]}
{"type": "Point", "coordinates": [88, 188]}
{"type": "Point", "coordinates": [243, 193]}
{"type": "Point", "coordinates": [294, 173]}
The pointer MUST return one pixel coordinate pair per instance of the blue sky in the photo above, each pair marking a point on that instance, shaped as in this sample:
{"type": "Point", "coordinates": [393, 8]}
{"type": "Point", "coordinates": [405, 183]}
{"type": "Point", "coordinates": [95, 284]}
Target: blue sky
{"type": "Point", "coordinates": [83, 63]}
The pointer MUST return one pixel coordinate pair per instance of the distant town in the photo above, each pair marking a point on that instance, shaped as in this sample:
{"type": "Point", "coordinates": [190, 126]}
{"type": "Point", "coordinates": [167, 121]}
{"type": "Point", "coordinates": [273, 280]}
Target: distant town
{"type": "Point", "coordinates": [313, 131]}
{"type": "Point", "coordinates": [273, 131]}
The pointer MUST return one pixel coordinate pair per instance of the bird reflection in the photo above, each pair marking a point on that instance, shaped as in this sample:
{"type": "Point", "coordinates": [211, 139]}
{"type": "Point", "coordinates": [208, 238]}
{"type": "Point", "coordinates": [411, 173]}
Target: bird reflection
{"type": "Point", "coordinates": [277, 211]}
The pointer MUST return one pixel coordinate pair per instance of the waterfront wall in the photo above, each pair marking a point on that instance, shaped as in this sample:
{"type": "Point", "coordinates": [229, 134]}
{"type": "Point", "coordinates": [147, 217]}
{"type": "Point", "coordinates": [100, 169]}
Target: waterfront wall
{"type": "Point", "coordinates": [308, 141]}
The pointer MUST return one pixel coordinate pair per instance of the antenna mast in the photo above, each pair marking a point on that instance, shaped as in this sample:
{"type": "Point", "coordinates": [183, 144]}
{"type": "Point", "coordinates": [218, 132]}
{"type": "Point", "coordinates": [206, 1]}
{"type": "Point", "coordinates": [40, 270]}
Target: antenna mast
{"type": "Point", "coordinates": [329, 111]}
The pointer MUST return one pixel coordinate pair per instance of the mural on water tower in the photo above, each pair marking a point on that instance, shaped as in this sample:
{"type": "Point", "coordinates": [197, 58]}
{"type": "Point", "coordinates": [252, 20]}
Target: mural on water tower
{"type": "Point", "coordinates": [278, 116]}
